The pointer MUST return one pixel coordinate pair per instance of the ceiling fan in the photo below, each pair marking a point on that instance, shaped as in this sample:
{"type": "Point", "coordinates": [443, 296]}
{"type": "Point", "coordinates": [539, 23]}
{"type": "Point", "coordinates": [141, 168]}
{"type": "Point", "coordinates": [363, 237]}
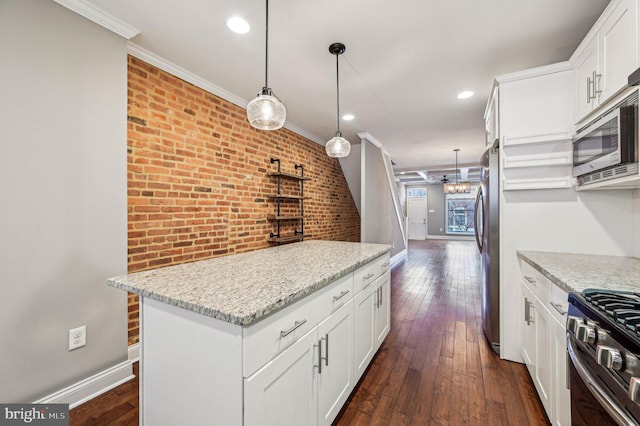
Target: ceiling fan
{"type": "Point", "coordinates": [445, 179]}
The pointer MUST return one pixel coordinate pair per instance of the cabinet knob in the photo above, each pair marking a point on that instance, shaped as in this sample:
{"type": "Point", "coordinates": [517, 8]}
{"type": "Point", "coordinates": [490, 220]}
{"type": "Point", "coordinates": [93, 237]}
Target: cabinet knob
{"type": "Point", "coordinates": [609, 357]}
{"type": "Point", "coordinates": [586, 333]}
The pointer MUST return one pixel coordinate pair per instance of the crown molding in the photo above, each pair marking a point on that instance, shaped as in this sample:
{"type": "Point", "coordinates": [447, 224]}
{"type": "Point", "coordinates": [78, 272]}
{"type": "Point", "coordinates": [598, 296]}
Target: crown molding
{"type": "Point", "coordinates": [100, 17]}
{"type": "Point", "coordinates": [367, 136]}
{"type": "Point", "coordinates": [176, 70]}
{"type": "Point", "coordinates": [534, 72]}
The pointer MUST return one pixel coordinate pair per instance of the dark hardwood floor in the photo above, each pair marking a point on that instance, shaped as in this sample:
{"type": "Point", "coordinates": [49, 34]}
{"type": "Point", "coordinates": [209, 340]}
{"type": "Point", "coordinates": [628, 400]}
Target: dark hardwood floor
{"type": "Point", "coordinates": [434, 368]}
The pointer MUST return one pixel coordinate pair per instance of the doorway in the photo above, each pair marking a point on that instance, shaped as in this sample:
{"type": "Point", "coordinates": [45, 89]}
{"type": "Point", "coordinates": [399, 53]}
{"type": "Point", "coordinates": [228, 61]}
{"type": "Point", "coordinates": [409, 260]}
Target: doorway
{"type": "Point", "coordinates": [417, 213]}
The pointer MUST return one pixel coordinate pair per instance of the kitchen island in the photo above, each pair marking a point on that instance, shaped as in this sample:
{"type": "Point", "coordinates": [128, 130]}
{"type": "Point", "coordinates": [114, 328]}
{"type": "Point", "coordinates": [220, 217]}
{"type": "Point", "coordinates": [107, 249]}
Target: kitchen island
{"type": "Point", "coordinates": [274, 336]}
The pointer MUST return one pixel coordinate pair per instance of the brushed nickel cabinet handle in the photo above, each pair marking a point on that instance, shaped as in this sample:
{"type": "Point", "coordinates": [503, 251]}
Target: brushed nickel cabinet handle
{"type": "Point", "coordinates": [341, 295]}
{"type": "Point", "coordinates": [319, 366]}
{"type": "Point", "coordinates": [285, 333]}
{"type": "Point", "coordinates": [531, 280]}
{"type": "Point", "coordinates": [326, 349]}
{"type": "Point", "coordinates": [366, 277]}
{"type": "Point", "coordinates": [558, 307]}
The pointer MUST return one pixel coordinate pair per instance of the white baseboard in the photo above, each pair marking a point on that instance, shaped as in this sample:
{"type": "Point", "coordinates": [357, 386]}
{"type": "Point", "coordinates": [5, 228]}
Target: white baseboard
{"type": "Point", "coordinates": [91, 387]}
{"type": "Point", "coordinates": [398, 257]}
{"type": "Point", "coordinates": [450, 237]}
{"type": "Point", "coordinates": [134, 352]}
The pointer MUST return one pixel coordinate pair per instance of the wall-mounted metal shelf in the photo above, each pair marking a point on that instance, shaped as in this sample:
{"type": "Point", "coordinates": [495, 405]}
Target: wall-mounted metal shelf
{"type": "Point", "coordinates": [279, 197]}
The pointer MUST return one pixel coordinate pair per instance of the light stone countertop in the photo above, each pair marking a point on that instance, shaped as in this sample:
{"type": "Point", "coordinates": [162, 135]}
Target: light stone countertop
{"type": "Point", "coordinates": [577, 272]}
{"type": "Point", "coordinates": [243, 288]}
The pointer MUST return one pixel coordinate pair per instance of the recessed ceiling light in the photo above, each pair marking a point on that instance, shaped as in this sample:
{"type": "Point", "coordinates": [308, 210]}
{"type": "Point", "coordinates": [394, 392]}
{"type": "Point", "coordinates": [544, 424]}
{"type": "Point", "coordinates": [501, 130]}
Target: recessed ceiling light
{"type": "Point", "coordinates": [348, 117]}
{"type": "Point", "coordinates": [238, 25]}
{"type": "Point", "coordinates": [465, 95]}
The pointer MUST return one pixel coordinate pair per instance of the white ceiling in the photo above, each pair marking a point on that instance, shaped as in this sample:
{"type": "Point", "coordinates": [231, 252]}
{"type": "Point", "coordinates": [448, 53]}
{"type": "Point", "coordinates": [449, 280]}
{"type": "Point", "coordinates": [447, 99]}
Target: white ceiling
{"type": "Point", "coordinates": [405, 60]}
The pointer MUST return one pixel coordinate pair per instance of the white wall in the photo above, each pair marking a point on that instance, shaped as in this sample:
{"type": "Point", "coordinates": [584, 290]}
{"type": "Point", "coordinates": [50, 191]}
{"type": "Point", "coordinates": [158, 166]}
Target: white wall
{"type": "Point", "coordinates": [636, 223]}
{"type": "Point", "coordinates": [379, 219]}
{"type": "Point", "coordinates": [351, 169]}
{"type": "Point", "coordinates": [556, 220]}
{"type": "Point", "coordinates": [63, 223]}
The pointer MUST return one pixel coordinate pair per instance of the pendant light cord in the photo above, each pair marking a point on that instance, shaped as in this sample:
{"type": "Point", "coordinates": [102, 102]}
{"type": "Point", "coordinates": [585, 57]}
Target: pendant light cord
{"type": "Point", "coordinates": [338, 94]}
{"type": "Point", "coordinates": [266, 48]}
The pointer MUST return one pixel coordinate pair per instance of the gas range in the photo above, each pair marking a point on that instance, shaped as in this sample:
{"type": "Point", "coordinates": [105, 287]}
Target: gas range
{"type": "Point", "coordinates": [603, 341]}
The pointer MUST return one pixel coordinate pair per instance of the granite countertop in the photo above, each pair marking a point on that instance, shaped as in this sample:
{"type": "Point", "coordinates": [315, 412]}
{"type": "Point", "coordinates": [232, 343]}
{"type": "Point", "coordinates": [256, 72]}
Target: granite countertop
{"type": "Point", "coordinates": [577, 272]}
{"type": "Point", "coordinates": [243, 288]}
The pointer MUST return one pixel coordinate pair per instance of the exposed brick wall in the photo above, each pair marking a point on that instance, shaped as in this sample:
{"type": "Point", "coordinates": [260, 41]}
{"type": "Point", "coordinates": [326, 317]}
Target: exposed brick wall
{"type": "Point", "coordinates": [197, 178]}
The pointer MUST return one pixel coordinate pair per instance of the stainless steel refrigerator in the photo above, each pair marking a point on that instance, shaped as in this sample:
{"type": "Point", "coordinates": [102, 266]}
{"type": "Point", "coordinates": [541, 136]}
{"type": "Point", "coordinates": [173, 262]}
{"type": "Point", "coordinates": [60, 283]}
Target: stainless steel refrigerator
{"type": "Point", "coordinates": [487, 230]}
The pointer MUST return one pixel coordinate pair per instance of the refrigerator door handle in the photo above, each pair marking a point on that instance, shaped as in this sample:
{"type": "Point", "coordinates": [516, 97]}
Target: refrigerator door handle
{"type": "Point", "coordinates": [479, 198]}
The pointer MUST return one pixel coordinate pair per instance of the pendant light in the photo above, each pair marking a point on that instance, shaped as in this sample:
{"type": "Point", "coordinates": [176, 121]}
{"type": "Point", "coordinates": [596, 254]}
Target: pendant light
{"type": "Point", "coordinates": [337, 146]}
{"type": "Point", "coordinates": [457, 188]}
{"type": "Point", "coordinates": [266, 111]}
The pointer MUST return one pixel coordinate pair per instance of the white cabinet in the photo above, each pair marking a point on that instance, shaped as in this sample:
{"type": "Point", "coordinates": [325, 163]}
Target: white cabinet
{"type": "Point", "coordinates": [382, 309]}
{"type": "Point", "coordinates": [606, 57]}
{"type": "Point", "coordinates": [308, 383]}
{"type": "Point", "coordinates": [335, 379]}
{"type": "Point", "coordinates": [534, 123]}
{"type": "Point", "coordinates": [284, 391]}
{"type": "Point", "coordinates": [544, 347]}
{"type": "Point", "coordinates": [491, 117]}
{"type": "Point", "coordinates": [363, 348]}
{"type": "Point", "coordinates": [529, 330]}
{"type": "Point", "coordinates": [293, 367]}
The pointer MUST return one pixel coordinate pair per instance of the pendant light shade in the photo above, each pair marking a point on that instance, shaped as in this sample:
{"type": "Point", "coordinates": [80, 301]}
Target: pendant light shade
{"type": "Point", "coordinates": [337, 146]}
{"type": "Point", "coordinates": [266, 111]}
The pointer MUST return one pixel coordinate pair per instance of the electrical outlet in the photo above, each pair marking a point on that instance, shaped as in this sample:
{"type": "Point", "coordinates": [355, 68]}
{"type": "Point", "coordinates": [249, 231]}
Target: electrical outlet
{"type": "Point", "coordinates": [440, 229]}
{"type": "Point", "coordinates": [77, 337]}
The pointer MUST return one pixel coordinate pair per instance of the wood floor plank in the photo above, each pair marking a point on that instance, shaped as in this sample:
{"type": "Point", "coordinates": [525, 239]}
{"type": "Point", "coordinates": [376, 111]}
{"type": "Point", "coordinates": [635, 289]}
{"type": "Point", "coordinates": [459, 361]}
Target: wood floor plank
{"type": "Point", "coordinates": [435, 367]}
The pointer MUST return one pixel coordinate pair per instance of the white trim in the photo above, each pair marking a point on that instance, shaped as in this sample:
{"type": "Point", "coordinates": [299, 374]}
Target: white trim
{"type": "Point", "coordinates": [100, 17]}
{"type": "Point", "coordinates": [538, 160]}
{"type": "Point", "coordinates": [537, 183]}
{"type": "Point", "coordinates": [134, 352]}
{"type": "Point", "coordinates": [182, 73]}
{"type": "Point", "coordinates": [376, 142]}
{"type": "Point", "coordinates": [449, 237]}
{"type": "Point", "coordinates": [534, 139]}
{"type": "Point", "coordinates": [91, 387]}
{"type": "Point", "coordinates": [399, 257]}
{"type": "Point", "coordinates": [534, 72]}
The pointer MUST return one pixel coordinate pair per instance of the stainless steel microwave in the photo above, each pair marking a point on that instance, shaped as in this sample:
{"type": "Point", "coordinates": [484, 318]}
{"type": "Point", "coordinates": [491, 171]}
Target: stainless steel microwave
{"type": "Point", "coordinates": [606, 143]}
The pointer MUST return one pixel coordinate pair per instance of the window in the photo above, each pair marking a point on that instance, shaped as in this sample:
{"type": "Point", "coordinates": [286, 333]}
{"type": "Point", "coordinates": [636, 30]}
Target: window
{"type": "Point", "coordinates": [416, 192]}
{"type": "Point", "coordinates": [460, 213]}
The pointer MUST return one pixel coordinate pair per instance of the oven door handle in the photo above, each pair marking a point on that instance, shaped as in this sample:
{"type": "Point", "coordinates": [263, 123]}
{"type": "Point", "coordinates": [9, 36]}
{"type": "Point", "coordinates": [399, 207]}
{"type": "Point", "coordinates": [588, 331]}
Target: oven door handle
{"type": "Point", "coordinates": [607, 403]}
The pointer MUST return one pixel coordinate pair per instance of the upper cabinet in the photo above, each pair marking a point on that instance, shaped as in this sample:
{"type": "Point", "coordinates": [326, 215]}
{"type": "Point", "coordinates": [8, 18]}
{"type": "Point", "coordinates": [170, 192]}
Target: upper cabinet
{"type": "Point", "coordinates": [530, 113]}
{"type": "Point", "coordinates": [606, 57]}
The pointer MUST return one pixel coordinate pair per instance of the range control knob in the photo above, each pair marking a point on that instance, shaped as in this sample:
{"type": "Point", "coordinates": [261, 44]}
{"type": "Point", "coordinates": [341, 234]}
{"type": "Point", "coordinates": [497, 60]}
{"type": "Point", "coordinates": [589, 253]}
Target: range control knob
{"type": "Point", "coordinates": [634, 389]}
{"type": "Point", "coordinates": [586, 333]}
{"type": "Point", "coordinates": [609, 357]}
{"type": "Point", "coordinates": [572, 323]}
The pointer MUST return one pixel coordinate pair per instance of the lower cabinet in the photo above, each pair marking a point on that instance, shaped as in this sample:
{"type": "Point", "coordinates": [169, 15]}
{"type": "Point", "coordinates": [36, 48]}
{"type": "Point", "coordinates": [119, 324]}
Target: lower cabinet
{"type": "Point", "coordinates": [544, 346]}
{"type": "Point", "coordinates": [308, 383]}
{"type": "Point", "coordinates": [372, 321]}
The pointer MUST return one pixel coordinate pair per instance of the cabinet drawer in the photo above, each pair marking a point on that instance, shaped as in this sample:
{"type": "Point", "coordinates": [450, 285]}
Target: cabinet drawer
{"type": "Point", "coordinates": [370, 272]}
{"type": "Point", "coordinates": [558, 304]}
{"type": "Point", "coordinates": [267, 338]}
{"type": "Point", "coordinates": [538, 283]}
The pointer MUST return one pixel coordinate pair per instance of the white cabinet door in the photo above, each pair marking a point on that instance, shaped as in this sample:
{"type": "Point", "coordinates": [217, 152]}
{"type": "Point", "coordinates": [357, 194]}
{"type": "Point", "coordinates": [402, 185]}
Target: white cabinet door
{"type": "Point", "coordinates": [528, 330]}
{"type": "Point", "coordinates": [382, 314]}
{"type": "Point", "coordinates": [363, 348]}
{"type": "Point", "coordinates": [618, 49]}
{"type": "Point", "coordinates": [585, 67]}
{"type": "Point", "coordinates": [335, 380]}
{"type": "Point", "coordinates": [545, 356]}
{"type": "Point", "coordinates": [562, 396]}
{"type": "Point", "coordinates": [283, 392]}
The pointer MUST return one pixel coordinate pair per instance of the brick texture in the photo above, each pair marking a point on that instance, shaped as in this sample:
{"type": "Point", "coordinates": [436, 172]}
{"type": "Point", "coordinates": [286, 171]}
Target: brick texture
{"type": "Point", "coordinates": [197, 179]}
